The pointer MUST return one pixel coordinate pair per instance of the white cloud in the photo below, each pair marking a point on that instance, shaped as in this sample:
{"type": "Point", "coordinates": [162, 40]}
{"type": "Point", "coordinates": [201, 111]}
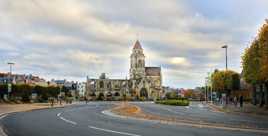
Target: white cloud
{"type": "Point", "coordinates": [180, 61]}
{"type": "Point", "coordinates": [73, 38]}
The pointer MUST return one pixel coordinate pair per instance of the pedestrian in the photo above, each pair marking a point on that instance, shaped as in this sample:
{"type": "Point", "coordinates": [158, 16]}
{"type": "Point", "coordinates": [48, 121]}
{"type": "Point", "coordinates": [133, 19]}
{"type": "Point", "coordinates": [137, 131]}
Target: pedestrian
{"type": "Point", "coordinates": [86, 100]}
{"type": "Point", "coordinates": [235, 101]}
{"type": "Point", "coordinates": [241, 101]}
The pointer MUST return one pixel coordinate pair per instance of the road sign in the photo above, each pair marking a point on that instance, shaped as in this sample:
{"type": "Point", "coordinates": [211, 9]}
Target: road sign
{"type": "Point", "coordinates": [9, 86]}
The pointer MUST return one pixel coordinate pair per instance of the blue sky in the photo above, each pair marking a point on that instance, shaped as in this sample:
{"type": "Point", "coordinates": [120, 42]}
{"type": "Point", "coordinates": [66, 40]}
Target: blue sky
{"type": "Point", "coordinates": [75, 38]}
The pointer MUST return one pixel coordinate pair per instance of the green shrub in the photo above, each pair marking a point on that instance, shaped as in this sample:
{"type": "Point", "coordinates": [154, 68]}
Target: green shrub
{"type": "Point", "coordinates": [174, 102]}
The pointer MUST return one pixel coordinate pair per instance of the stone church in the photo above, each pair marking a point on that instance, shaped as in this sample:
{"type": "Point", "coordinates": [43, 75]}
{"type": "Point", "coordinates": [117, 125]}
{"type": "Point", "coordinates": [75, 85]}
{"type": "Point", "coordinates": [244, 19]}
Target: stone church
{"type": "Point", "coordinates": [143, 83]}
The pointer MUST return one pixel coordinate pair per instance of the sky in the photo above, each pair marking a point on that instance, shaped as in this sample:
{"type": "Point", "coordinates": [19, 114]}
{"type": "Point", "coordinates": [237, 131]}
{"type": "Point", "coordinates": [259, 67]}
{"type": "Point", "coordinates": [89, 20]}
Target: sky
{"type": "Point", "coordinates": [72, 39]}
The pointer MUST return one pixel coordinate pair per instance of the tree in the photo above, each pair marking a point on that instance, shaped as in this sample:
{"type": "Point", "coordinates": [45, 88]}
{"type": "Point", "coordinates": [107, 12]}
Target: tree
{"type": "Point", "coordinates": [235, 81]}
{"type": "Point", "coordinates": [263, 42]}
{"type": "Point", "coordinates": [189, 94]}
{"type": "Point", "coordinates": [255, 64]}
{"type": "Point", "coordinates": [45, 92]}
{"type": "Point", "coordinates": [172, 95]}
{"type": "Point", "coordinates": [23, 91]}
{"type": "Point", "coordinates": [3, 90]}
{"type": "Point", "coordinates": [225, 81]}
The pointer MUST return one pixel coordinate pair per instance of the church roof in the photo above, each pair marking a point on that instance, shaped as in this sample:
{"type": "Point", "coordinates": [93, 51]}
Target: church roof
{"type": "Point", "coordinates": [137, 45]}
{"type": "Point", "coordinates": [153, 71]}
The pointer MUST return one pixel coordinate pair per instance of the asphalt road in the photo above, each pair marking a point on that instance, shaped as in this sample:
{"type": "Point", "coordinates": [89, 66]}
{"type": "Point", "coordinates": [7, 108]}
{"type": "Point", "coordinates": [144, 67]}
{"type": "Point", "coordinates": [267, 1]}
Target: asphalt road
{"type": "Point", "coordinates": [201, 112]}
{"type": "Point", "coordinates": [88, 120]}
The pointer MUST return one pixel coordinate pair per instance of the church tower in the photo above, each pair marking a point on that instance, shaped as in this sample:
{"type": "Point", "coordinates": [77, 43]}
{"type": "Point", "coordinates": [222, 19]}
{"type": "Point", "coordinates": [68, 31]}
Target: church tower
{"type": "Point", "coordinates": [137, 62]}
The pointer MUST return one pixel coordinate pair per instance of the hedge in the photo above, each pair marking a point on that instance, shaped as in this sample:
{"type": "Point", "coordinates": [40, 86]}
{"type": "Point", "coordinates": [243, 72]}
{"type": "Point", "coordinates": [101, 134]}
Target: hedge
{"type": "Point", "coordinates": [174, 102]}
{"type": "Point", "coordinates": [25, 91]}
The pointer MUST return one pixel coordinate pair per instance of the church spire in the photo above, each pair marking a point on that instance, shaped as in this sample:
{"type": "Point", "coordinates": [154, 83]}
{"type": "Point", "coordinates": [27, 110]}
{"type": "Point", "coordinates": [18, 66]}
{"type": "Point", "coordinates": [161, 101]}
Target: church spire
{"type": "Point", "coordinates": [137, 45]}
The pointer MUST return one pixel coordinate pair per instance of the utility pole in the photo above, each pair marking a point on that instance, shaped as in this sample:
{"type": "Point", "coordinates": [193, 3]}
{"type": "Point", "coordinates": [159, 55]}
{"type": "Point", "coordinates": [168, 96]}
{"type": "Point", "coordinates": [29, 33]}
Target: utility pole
{"type": "Point", "coordinates": [10, 78]}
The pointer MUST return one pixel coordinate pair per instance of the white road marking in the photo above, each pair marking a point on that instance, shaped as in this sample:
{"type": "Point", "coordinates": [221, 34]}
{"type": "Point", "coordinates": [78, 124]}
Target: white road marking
{"type": "Point", "coordinates": [1, 117]}
{"type": "Point", "coordinates": [112, 131]}
{"type": "Point", "coordinates": [59, 114]}
{"type": "Point", "coordinates": [2, 133]}
{"type": "Point", "coordinates": [200, 105]}
{"type": "Point", "coordinates": [68, 121]}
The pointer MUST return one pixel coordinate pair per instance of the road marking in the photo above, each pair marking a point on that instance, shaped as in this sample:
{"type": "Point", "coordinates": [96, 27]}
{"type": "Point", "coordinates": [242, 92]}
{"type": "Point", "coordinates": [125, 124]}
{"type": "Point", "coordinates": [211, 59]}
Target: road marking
{"type": "Point", "coordinates": [112, 131]}
{"type": "Point", "coordinates": [200, 105]}
{"type": "Point", "coordinates": [68, 121]}
{"type": "Point", "coordinates": [2, 133]}
{"type": "Point", "coordinates": [59, 114]}
{"type": "Point", "coordinates": [1, 117]}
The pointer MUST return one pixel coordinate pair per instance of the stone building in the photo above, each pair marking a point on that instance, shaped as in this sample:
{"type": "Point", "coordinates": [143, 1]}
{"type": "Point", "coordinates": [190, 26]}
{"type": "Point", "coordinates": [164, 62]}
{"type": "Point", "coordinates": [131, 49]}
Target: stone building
{"type": "Point", "coordinates": [144, 82]}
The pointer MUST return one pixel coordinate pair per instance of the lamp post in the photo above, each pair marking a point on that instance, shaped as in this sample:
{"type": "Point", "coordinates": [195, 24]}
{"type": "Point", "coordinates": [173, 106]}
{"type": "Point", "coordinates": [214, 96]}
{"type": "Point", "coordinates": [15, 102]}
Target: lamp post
{"type": "Point", "coordinates": [209, 84]}
{"type": "Point", "coordinates": [10, 77]}
{"type": "Point", "coordinates": [226, 63]}
{"type": "Point", "coordinates": [206, 89]}
{"type": "Point", "coordinates": [226, 68]}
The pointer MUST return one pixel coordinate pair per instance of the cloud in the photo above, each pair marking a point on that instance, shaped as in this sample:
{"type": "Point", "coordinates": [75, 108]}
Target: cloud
{"type": "Point", "coordinates": [75, 38]}
{"type": "Point", "coordinates": [179, 61]}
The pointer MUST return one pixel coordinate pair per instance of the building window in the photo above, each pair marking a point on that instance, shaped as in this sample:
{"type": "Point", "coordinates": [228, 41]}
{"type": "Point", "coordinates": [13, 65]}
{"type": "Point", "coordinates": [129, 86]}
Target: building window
{"type": "Point", "coordinates": [109, 85]}
{"type": "Point", "coordinates": [101, 84]}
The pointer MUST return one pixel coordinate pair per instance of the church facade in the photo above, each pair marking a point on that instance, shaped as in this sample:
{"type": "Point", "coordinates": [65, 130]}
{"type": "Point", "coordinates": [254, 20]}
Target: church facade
{"type": "Point", "coordinates": [143, 83]}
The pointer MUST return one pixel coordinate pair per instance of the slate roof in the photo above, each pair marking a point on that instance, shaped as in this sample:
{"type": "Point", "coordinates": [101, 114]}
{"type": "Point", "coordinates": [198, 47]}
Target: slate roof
{"type": "Point", "coordinates": [137, 45]}
{"type": "Point", "coordinates": [153, 71]}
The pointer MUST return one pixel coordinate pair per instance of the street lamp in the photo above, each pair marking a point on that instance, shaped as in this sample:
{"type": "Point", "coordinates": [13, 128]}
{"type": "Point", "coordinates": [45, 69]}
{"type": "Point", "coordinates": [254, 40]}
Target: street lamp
{"type": "Point", "coordinates": [226, 68]}
{"type": "Point", "coordinates": [225, 46]}
{"type": "Point", "coordinates": [206, 89]}
{"type": "Point", "coordinates": [10, 77]}
{"type": "Point", "coordinates": [10, 66]}
{"type": "Point", "coordinates": [209, 84]}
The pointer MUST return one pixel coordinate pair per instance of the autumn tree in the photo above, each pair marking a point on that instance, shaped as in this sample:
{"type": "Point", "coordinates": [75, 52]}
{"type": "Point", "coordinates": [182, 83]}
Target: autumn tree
{"type": "Point", "coordinates": [190, 94]}
{"type": "Point", "coordinates": [251, 66]}
{"type": "Point", "coordinates": [255, 65]}
{"type": "Point", "coordinates": [263, 42]}
{"type": "Point", "coordinates": [225, 81]}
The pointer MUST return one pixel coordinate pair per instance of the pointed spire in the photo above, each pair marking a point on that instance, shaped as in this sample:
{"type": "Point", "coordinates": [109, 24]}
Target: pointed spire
{"type": "Point", "coordinates": [137, 45]}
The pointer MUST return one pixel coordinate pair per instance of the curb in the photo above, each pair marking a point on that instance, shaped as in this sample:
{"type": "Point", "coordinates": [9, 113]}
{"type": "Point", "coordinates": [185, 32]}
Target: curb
{"type": "Point", "coordinates": [112, 114]}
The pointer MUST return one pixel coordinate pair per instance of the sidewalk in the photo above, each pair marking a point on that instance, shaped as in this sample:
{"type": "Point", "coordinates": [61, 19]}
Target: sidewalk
{"type": "Point", "coordinates": [246, 109]}
{"type": "Point", "coordinates": [10, 108]}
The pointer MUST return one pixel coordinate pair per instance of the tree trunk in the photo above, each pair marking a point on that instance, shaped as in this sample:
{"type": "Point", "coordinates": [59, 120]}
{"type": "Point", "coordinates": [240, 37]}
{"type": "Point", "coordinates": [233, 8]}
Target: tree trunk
{"type": "Point", "coordinates": [254, 96]}
{"type": "Point", "coordinates": [261, 95]}
{"type": "Point", "coordinates": [266, 94]}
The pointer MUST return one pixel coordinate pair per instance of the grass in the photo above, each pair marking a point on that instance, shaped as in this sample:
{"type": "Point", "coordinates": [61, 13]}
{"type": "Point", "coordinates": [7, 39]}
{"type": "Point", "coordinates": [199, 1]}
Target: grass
{"type": "Point", "coordinates": [174, 102]}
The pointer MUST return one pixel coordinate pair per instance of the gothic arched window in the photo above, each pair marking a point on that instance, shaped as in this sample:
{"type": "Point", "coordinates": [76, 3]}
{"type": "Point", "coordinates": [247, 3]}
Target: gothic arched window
{"type": "Point", "coordinates": [109, 85]}
{"type": "Point", "coordinates": [101, 84]}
